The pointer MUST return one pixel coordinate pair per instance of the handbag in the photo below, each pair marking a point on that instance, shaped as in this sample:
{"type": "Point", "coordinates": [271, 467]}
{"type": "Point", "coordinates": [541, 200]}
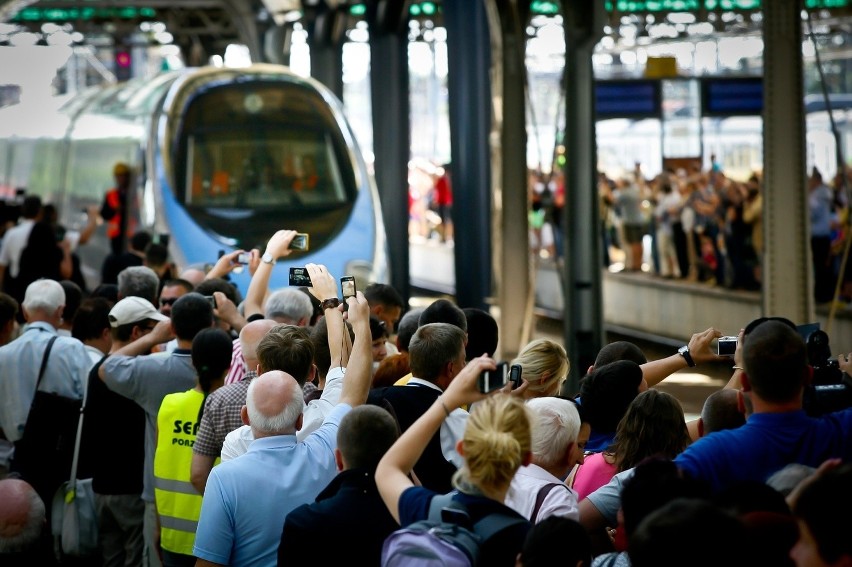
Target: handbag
{"type": "Point", "coordinates": [74, 518]}
{"type": "Point", "coordinates": [44, 452]}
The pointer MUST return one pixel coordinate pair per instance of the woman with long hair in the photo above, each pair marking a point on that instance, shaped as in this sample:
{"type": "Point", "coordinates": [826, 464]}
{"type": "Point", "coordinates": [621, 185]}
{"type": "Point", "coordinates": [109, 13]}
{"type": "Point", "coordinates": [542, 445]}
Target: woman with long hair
{"type": "Point", "coordinates": [653, 425]}
{"type": "Point", "coordinates": [496, 442]}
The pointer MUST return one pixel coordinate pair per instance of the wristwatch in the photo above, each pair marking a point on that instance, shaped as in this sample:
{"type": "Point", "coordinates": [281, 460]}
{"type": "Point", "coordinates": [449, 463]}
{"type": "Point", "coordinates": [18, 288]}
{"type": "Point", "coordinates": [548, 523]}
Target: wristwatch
{"type": "Point", "coordinates": [330, 303]}
{"type": "Point", "coordinates": [267, 258]}
{"type": "Point", "coordinates": [684, 352]}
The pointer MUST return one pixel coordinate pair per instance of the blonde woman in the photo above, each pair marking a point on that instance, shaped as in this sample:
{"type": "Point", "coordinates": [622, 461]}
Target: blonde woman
{"type": "Point", "coordinates": [496, 442]}
{"type": "Point", "coordinates": [545, 367]}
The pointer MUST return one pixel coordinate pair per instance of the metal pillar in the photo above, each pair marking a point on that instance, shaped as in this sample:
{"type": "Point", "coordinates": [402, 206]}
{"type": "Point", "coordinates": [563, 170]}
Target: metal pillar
{"type": "Point", "coordinates": [582, 280]}
{"type": "Point", "coordinates": [469, 58]}
{"type": "Point", "coordinates": [276, 44]}
{"type": "Point", "coordinates": [511, 235]}
{"type": "Point", "coordinates": [392, 140]}
{"type": "Point", "coordinates": [788, 277]}
{"type": "Point", "coordinates": [326, 43]}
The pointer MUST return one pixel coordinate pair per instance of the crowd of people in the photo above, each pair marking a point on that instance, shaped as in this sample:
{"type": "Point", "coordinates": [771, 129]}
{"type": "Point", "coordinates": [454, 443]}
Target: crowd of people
{"type": "Point", "coordinates": [288, 427]}
{"type": "Point", "coordinates": [696, 225]}
{"type": "Point", "coordinates": [702, 225]}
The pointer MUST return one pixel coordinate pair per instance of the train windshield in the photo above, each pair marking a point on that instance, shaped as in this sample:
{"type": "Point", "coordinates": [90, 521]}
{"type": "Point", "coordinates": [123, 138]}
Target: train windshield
{"type": "Point", "coordinates": [260, 156]}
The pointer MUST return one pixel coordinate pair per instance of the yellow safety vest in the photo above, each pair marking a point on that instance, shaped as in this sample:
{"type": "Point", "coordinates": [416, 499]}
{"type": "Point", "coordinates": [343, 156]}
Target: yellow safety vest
{"type": "Point", "coordinates": [178, 503]}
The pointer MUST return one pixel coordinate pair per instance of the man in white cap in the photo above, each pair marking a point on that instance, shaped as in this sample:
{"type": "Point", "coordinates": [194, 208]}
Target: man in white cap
{"type": "Point", "coordinates": [118, 423]}
{"type": "Point", "coordinates": [148, 379]}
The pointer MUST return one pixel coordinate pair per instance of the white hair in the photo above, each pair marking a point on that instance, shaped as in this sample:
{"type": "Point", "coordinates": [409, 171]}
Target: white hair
{"type": "Point", "coordinates": [290, 304]}
{"type": "Point", "coordinates": [284, 422]}
{"type": "Point", "coordinates": [46, 295]}
{"type": "Point", "coordinates": [557, 425]}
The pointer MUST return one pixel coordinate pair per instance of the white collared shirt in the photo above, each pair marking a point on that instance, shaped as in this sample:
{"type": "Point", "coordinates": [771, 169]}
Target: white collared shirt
{"type": "Point", "coordinates": [452, 430]}
{"type": "Point", "coordinates": [560, 501]}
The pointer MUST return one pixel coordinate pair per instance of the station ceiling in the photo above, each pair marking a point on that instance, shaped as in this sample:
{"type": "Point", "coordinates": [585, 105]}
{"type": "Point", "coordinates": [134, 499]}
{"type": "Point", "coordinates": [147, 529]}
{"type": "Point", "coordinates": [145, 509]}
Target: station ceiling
{"type": "Point", "coordinates": [209, 26]}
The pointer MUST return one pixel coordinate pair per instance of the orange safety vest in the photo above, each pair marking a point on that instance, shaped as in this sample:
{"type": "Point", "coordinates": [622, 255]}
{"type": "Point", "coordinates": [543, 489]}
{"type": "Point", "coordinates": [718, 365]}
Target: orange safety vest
{"type": "Point", "coordinates": [113, 199]}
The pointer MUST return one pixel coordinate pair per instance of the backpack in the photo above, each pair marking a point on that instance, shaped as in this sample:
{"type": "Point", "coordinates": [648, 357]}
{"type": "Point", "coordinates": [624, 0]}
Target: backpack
{"type": "Point", "coordinates": [447, 537]}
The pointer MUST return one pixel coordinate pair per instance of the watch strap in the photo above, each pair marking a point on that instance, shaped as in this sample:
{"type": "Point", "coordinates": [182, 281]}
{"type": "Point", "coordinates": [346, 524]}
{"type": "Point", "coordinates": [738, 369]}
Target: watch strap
{"type": "Point", "coordinates": [684, 352]}
{"type": "Point", "coordinates": [330, 303]}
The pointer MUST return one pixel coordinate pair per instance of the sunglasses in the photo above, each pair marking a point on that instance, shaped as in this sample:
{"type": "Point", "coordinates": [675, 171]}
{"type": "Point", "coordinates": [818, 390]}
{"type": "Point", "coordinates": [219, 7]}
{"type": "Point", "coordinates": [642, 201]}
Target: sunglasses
{"type": "Point", "coordinates": [168, 301]}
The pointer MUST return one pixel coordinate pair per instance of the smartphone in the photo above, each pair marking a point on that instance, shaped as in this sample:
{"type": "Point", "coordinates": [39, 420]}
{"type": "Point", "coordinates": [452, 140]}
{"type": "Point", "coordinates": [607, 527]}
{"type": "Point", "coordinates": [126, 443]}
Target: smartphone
{"type": "Point", "coordinates": [515, 372]}
{"type": "Point", "coordinates": [243, 257]}
{"type": "Point", "coordinates": [491, 380]}
{"type": "Point", "coordinates": [347, 285]}
{"type": "Point", "coordinates": [726, 346]}
{"type": "Point", "coordinates": [300, 277]}
{"type": "Point", "coordinates": [211, 300]}
{"type": "Point", "coordinates": [300, 242]}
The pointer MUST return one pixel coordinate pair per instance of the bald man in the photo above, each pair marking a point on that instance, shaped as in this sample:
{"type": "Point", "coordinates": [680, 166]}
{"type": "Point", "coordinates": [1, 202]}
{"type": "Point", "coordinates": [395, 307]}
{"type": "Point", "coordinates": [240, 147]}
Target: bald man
{"type": "Point", "coordinates": [222, 408]}
{"type": "Point", "coordinates": [291, 472]}
{"type": "Point", "coordinates": [193, 275]}
{"type": "Point", "coordinates": [22, 523]}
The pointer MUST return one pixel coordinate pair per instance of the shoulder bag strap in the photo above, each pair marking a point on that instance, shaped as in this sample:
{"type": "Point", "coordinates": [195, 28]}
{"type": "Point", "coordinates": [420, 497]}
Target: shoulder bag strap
{"type": "Point", "coordinates": [44, 362]}
{"type": "Point", "coordinates": [75, 460]}
{"type": "Point", "coordinates": [41, 370]}
{"type": "Point", "coordinates": [541, 496]}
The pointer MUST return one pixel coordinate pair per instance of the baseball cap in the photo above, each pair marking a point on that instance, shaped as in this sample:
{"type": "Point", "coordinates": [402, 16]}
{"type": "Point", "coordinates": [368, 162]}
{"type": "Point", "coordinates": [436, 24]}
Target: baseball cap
{"type": "Point", "coordinates": [121, 168]}
{"type": "Point", "coordinates": [133, 309]}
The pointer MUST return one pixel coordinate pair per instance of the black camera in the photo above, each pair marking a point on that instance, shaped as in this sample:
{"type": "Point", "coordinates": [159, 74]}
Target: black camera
{"type": "Point", "coordinates": [726, 346]}
{"type": "Point", "coordinates": [830, 388]}
{"type": "Point", "coordinates": [826, 369]}
{"type": "Point", "coordinates": [515, 375]}
{"type": "Point", "coordinates": [300, 277]}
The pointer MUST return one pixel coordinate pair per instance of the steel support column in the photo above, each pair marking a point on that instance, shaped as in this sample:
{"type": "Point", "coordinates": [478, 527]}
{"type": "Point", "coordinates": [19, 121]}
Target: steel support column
{"type": "Point", "coordinates": [326, 42]}
{"type": "Point", "coordinates": [788, 277]}
{"type": "Point", "coordinates": [392, 142]}
{"type": "Point", "coordinates": [469, 58]}
{"type": "Point", "coordinates": [581, 265]}
{"type": "Point", "coordinates": [515, 293]}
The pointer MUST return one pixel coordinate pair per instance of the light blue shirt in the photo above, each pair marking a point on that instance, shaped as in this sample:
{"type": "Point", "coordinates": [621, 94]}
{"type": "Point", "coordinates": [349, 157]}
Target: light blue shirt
{"type": "Point", "coordinates": [147, 380]}
{"type": "Point", "coordinates": [247, 498]}
{"type": "Point", "coordinates": [65, 374]}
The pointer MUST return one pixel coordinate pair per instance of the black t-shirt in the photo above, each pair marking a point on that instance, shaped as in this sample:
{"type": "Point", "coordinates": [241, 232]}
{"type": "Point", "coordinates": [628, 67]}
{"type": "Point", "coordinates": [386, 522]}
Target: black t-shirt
{"type": "Point", "coordinates": [112, 450]}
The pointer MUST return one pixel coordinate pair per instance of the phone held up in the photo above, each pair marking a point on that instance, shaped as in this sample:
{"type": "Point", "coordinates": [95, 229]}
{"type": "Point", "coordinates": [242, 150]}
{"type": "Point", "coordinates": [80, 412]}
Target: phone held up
{"type": "Point", "coordinates": [300, 277]}
{"type": "Point", "coordinates": [244, 258]}
{"type": "Point", "coordinates": [347, 286]}
{"type": "Point", "coordinates": [491, 380]}
{"type": "Point", "coordinates": [300, 242]}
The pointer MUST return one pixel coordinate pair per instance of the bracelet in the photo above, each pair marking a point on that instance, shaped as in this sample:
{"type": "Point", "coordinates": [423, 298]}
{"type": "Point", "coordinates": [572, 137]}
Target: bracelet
{"type": "Point", "coordinates": [736, 367]}
{"type": "Point", "coordinates": [443, 405]}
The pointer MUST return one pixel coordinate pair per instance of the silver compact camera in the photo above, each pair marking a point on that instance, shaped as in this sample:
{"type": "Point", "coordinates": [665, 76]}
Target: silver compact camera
{"type": "Point", "coordinates": [727, 346]}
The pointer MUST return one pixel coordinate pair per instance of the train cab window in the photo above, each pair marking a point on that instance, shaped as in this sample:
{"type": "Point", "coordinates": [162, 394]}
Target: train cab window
{"type": "Point", "coordinates": [261, 152]}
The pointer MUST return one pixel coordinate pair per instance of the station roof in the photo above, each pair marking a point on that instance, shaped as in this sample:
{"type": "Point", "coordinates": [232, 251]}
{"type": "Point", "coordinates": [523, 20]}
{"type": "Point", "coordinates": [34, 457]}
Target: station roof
{"type": "Point", "coordinates": [217, 23]}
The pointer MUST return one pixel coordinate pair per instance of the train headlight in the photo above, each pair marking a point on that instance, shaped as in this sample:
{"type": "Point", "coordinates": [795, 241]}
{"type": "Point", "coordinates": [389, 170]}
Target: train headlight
{"type": "Point", "coordinates": [253, 103]}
